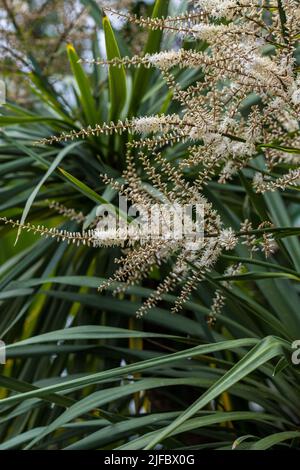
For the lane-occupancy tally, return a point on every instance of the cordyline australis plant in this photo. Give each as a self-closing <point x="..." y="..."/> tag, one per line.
<point x="249" y="50"/>
<point x="212" y="120"/>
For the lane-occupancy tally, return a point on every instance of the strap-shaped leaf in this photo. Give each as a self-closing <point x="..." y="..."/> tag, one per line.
<point x="143" y="75"/>
<point x="86" y="97"/>
<point x="117" y="75"/>
<point x="259" y="355"/>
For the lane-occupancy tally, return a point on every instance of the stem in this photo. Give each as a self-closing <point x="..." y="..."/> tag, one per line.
<point x="292" y="231"/>
<point x="283" y="20"/>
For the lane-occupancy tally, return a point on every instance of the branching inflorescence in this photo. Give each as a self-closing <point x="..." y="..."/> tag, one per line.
<point x="248" y="52"/>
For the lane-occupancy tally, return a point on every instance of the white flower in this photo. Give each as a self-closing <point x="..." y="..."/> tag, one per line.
<point x="228" y="122"/>
<point x="277" y="103"/>
<point x="206" y="32"/>
<point x="228" y="171"/>
<point x="234" y="269"/>
<point x="258" y="180"/>
<point x="259" y="66"/>
<point x="227" y="239"/>
<point x="212" y="137"/>
<point x="240" y="149"/>
<point x="146" y="125"/>
<point x="196" y="133"/>
<point x="165" y="59"/>
<point x="296" y="97"/>
<point x="216" y="8"/>
<point x="290" y="124"/>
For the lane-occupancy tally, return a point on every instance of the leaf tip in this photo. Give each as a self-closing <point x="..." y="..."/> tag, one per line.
<point x="70" y="48"/>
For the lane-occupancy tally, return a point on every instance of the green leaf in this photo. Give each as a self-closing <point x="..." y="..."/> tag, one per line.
<point x="123" y="371"/>
<point x="259" y="355"/>
<point x="274" y="439"/>
<point x="255" y="276"/>
<point x="143" y="75"/>
<point x="86" y="98"/>
<point x="86" y="332"/>
<point x="47" y="96"/>
<point x="83" y="188"/>
<point x="60" y="156"/>
<point x="91" y="194"/>
<point x="94" y="9"/>
<point x="103" y="397"/>
<point x="13" y="120"/>
<point x="120" y="430"/>
<point x="256" y="199"/>
<point x="22" y="438"/>
<point x="117" y="75"/>
<point x="197" y="423"/>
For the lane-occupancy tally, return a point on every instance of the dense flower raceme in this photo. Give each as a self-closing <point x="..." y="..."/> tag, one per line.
<point x="248" y="52"/>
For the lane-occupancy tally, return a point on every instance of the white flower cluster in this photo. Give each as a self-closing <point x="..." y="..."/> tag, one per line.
<point x="243" y="104"/>
<point x="216" y="8"/>
<point x="154" y="124"/>
<point x="171" y="224"/>
<point x="147" y="125"/>
<point x="207" y="32"/>
<point x="165" y="59"/>
<point x="292" y="178"/>
<point x="228" y="239"/>
<point x="225" y="146"/>
<point x="296" y="97"/>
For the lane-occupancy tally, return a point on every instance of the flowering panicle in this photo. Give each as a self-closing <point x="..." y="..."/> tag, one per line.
<point x="77" y="238"/>
<point x="248" y="238"/>
<point x="254" y="243"/>
<point x="292" y="178"/>
<point x="245" y="104"/>
<point x="220" y="297"/>
<point x="268" y="244"/>
<point x="70" y="213"/>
